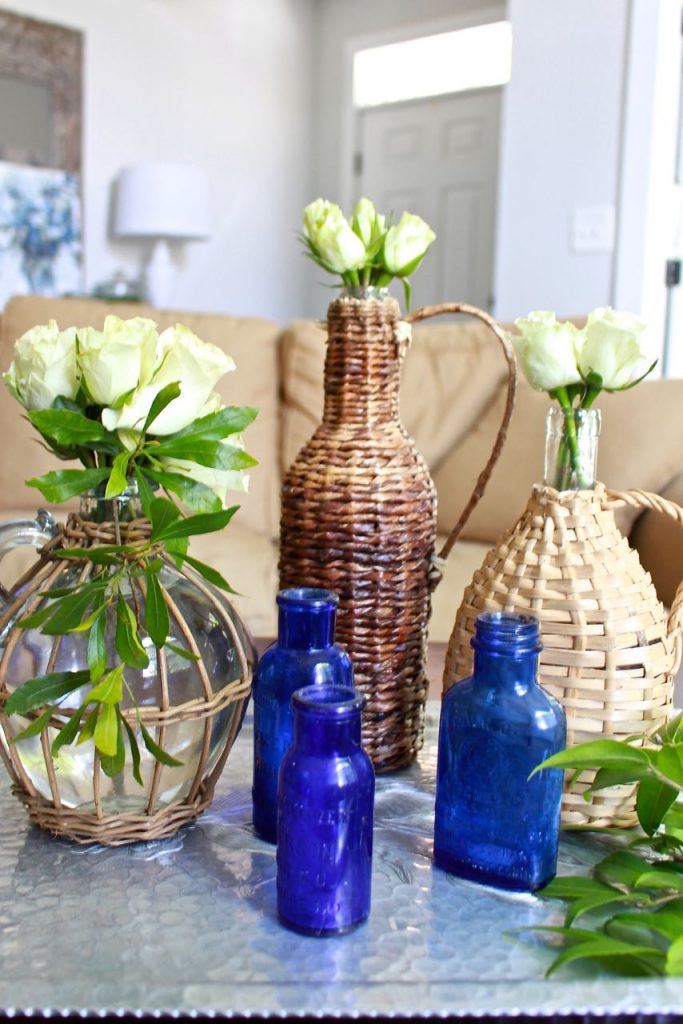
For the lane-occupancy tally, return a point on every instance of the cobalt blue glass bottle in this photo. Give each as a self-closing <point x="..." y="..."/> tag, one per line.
<point x="492" y="823"/>
<point x="304" y="653"/>
<point x="325" y="814"/>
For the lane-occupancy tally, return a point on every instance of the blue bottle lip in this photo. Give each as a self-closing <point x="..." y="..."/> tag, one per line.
<point x="328" y="701"/>
<point x="509" y="632"/>
<point x="307" y="597"/>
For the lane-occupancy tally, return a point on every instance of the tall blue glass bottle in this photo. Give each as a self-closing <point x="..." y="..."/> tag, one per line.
<point x="325" y="815"/>
<point x="304" y="654"/>
<point x="492" y="823"/>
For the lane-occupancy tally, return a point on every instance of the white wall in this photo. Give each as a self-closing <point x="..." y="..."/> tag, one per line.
<point x="560" y="148"/>
<point x="225" y="85"/>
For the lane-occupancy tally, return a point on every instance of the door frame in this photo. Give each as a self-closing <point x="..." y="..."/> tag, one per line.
<point x="484" y="15"/>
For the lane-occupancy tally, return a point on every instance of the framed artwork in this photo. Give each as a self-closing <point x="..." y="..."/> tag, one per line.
<point x="40" y="231"/>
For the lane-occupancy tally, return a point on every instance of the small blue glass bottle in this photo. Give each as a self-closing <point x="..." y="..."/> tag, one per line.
<point x="492" y="823"/>
<point x="304" y="654"/>
<point x="325" y="815"/>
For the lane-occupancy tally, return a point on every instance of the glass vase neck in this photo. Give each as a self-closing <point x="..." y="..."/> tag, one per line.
<point x="365" y="293"/>
<point x="327" y="719"/>
<point x="126" y="507"/>
<point x="306" y="618"/>
<point x="571" y="448"/>
<point x="506" y="648"/>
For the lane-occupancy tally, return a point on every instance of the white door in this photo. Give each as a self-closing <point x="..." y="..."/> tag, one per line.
<point x="438" y="158"/>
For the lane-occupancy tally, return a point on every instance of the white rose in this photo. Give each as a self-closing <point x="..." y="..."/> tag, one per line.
<point x="44" y="367"/>
<point x="406" y="243"/>
<point x="121" y="357"/>
<point x="218" y="480"/>
<point x="613" y="348"/>
<point x="367" y="223"/>
<point x="547" y="351"/>
<point x="332" y="237"/>
<point x="196" y="365"/>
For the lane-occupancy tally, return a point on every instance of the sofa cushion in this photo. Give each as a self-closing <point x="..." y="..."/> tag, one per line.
<point x="450" y="372"/>
<point x="637" y="448"/>
<point x="251" y="342"/>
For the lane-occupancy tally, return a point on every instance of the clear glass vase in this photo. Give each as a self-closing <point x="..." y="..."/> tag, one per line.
<point x="199" y="615"/>
<point x="571" y="448"/>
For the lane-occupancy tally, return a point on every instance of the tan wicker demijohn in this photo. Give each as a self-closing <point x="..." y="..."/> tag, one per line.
<point x="610" y="648"/>
<point x="359" y="518"/>
<point x="192" y="706"/>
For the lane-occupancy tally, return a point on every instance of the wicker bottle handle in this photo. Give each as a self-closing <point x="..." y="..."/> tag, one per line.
<point x="644" y="499"/>
<point x="460" y="307"/>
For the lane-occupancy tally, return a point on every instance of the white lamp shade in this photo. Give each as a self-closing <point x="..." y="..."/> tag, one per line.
<point x="162" y="200"/>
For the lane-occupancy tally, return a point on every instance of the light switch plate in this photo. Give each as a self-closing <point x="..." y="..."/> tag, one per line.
<point x="593" y="228"/>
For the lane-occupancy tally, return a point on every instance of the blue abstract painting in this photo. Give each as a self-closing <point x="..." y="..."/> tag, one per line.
<point x="40" y="232"/>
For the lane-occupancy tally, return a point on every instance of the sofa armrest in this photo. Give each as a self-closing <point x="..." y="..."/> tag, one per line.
<point x="659" y="542"/>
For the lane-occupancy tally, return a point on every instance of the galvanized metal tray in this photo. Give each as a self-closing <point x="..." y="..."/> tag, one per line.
<point x="188" y="926"/>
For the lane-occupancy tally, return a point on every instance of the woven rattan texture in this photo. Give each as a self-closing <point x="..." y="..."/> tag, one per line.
<point x="96" y="826"/>
<point x="358" y="517"/>
<point x="609" y="649"/>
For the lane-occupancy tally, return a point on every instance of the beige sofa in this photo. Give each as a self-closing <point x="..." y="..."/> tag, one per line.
<point x="451" y="402"/>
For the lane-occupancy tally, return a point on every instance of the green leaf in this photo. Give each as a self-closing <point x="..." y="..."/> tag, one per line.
<point x="68" y="613"/>
<point x="664" y="922"/>
<point x="653" y="800"/>
<point x="134" y="748"/>
<point x="111" y="766"/>
<point x="188" y="655"/>
<point x="67" y="427"/>
<point x="35" y="727"/>
<point x="606" y="777"/>
<point x="671" y="731"/>
<point x="596" y="754"/>
<point x="34" y="693"/>
<point x="674" y="958"/>
<point x="570" y="887"/>
<point x="60" y="485"/>
<point x="156" y="612"/>
<point x="669" y="761"/>
<point x="195" y="495"/>
<point x="205" y="522"/>
<point x="156" y="751"/>
<point x="144" y="490"/>
<point x="214" y="454"/>
<point x="210" y="574"/>
<point x="97" y="647"/>
<point x="589" y="903"/>
<point x="127" y="639"/>
<point x="622" y="867"/>
<point x="67" y="734"/>
<point x="217" y="425"/>
<point x="601" y="947"/>
<point x="118" y="480"/>
<point x="110" y="688"/>
<point x="88" y="728"/>
<point x="106" y="731"/>
<point x="177" y="549"/>
<point x="658" y="879"/>
<point x="36" y="619"/>
<point x="167" y="395"/>
<point x="102" y="554"/>
<point x="162" y="513"/>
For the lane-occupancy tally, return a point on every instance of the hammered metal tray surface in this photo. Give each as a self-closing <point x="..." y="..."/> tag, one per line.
<point x="188" y="926"/>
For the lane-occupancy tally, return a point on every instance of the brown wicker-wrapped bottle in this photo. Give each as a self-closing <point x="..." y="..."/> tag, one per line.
<point x="359" y="518"/>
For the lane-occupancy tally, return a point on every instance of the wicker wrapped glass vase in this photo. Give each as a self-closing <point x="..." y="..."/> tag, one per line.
<point x="192" y="705"/>
<point x="358" y="517"/>
<point x="610" y="648"/>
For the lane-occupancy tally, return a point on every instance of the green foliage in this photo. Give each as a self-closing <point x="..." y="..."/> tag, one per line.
<point x="125" y="580"/>
<point x="633" y="903"/>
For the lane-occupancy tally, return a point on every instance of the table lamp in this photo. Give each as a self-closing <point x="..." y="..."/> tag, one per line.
<point x="162" y="201"/>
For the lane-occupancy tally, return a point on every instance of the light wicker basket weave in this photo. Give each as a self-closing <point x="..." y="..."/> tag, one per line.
<point x="610" y="649"/>
<point x="147" y="817"/>
<point x="359" y="518"/>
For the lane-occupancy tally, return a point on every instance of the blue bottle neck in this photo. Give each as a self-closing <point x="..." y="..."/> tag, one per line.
<point x="505" y="669"/>
<point x="306" y="629"/>
<point x="320" y="734"/>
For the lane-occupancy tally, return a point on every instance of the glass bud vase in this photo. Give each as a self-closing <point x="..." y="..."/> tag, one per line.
<point x="571" y="448"/>
<point x="325" y="815"/>
<point x="492" y="823"/>
<point x="304" y="653"/>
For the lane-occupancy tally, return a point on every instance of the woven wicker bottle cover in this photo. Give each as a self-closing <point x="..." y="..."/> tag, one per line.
<point x="359" y="518"/>
<point x="610" y="649"/>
